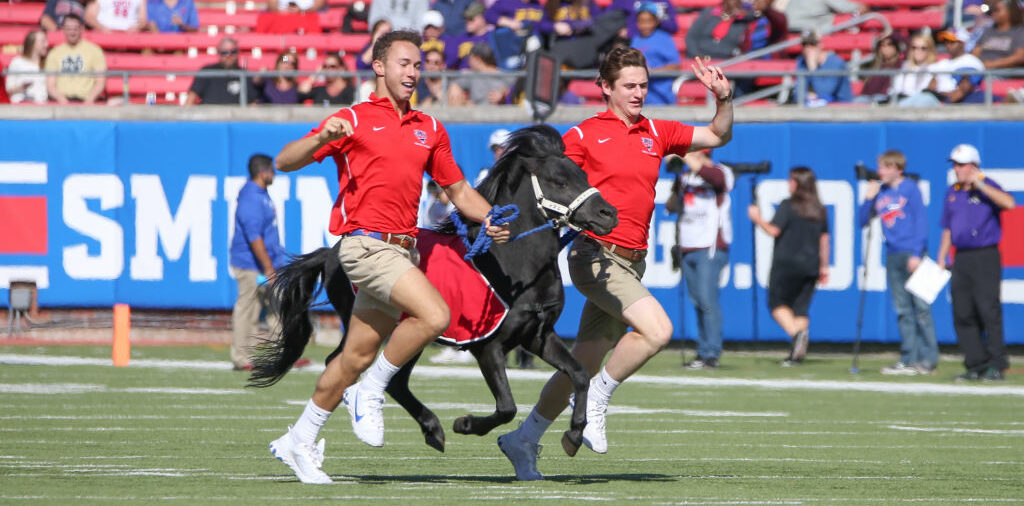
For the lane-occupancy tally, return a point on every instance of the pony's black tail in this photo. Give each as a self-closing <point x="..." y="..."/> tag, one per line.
<point x="295" y="287"/>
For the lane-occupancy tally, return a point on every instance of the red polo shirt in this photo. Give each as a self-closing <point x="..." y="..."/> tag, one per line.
<point x="381" y="165"/>
<point x="623" y="162"/>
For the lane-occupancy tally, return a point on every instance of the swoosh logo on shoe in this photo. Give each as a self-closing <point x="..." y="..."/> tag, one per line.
<point x="355" y="407"/>
<point x="378" y="129"/>
<point x="602" y="141"/>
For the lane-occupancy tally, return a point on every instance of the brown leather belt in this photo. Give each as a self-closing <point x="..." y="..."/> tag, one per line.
<point x="405" y="241"/>
<point x="633" y="255"/>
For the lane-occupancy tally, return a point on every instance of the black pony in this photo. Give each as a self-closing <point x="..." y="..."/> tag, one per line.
<point x="548" y="188"/>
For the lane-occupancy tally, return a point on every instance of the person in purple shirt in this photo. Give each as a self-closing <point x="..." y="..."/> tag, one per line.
<point x="255" y="253"/>
<point x="897" y="202"/>
<point x="456" y="49"/>
<point x="971" y="223"/>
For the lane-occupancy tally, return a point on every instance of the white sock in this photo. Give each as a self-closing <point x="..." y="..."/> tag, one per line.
<point x="378" y="376"/>
<point x="534" y="427"/>
<point x="602" y="387"/>
<point x="308" y="426"/>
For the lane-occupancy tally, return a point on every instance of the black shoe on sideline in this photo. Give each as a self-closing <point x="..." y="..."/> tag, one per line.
<point x="969" y="376"/>
<point x="993" y="374"/>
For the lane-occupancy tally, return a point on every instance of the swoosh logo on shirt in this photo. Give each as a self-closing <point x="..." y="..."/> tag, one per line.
<point x="377" y="129"/>
<point x="602" y="141"/>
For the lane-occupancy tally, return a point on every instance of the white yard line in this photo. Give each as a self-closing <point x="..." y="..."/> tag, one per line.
<point x="425" y="371"/>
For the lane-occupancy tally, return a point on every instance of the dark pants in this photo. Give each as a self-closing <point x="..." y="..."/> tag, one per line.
<point x="581" y="51"/>
<point x="977" y="310"/>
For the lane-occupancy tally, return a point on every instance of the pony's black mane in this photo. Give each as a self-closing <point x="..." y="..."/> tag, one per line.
<point x="537" y="141"/>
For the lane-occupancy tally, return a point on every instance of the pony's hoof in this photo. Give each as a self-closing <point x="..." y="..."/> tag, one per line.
<point x="435" y="441"/>
<point x="570" y="444"/>
<point x="464" y="425"/>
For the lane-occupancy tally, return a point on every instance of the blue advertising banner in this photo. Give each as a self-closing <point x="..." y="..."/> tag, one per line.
<point x="99" y="212"/>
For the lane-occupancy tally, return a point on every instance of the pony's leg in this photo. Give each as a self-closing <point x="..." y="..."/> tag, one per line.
<point x="398" y="389"/>
<point x="552" y="350"/>
<point x="491" y="359"/>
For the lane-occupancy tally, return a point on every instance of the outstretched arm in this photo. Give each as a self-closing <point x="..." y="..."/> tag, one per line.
<point x="719" y="131"/>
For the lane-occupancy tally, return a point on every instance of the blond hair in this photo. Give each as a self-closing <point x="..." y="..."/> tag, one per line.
<point x="894" y="157"/>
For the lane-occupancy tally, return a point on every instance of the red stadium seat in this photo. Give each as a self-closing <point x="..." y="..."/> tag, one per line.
<point x="685" y="20"/>
<point x="912" y="20"/>
<point x="903" y="4"/>
<point x="15" y="35"/>
<point x="695" y="4"/>
<point x="21" y="14"/>
<point x="220" y="18"/>
<point x="169" y="62"/>
<point x="763" y="66"/>
<point x="1001" y="87"/>
<point x="842" y="43"/>
<point x="586" y="89"/>
<point x="139" y="86"/>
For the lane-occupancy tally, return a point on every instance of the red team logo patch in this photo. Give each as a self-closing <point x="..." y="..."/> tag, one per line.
<point x="421" y="136"/>
<point x="648" y="143"/>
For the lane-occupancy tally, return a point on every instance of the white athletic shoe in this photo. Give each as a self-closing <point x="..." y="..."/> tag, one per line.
<point x="304" y="460"/>
<point x="900" y="369"/>
<point x="367" y="416"/>
<point x="594" y="432"/>
<point x="522" y="454"/>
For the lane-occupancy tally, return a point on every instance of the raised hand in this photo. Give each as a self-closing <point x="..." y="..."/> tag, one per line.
<point x="712" y="78"/>
<point x="335" y="128"/>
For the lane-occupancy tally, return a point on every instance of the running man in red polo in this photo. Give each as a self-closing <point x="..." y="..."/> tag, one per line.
<point x="621" y="152"/>
<point x="382" y="148"/>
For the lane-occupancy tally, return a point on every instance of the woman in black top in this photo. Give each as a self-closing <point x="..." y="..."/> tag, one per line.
<point x="800" y="257"/>
<point x="335" y="90"/>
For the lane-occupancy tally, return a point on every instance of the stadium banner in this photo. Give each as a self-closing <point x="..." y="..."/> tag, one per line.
<point x="100" y="212"/>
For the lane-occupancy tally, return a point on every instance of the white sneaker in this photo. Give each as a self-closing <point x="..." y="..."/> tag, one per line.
<point x="522" y="454"/>
<point x="594" y="432"/>
<point x="900" y="369"/>
<point x="367" y="416"/>
<point x="304" y="460"/>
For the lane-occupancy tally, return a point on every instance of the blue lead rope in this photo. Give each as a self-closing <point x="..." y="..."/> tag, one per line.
<point x="498" y="216"/>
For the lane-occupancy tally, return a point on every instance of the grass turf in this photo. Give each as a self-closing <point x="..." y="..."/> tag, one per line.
<point x="813" y="434"/>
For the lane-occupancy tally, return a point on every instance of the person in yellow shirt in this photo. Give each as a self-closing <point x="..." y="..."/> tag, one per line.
<point x="75" y="56"/>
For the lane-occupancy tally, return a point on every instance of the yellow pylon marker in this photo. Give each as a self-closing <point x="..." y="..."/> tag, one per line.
<point x="121" y="352"/>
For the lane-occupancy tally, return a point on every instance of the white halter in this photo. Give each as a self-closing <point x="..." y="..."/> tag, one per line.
<point x="562" y="213"/>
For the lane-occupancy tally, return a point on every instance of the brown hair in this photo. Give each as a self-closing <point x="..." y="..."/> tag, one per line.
<point x="894" y="157"/>
<point x="805" y="200"/>
<point x="30" y="42"/>
<point x="383" y="44"/>
<point x="618" y="59"/>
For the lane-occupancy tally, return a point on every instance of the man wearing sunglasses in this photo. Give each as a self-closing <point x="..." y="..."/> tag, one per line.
<point x="221" y="89"/>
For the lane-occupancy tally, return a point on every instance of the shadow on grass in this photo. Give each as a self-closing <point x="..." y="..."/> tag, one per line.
<point x="558" y="478"/>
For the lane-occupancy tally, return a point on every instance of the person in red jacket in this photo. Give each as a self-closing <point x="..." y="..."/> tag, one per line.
<point x="621" y="152"/>
<point x="382" y="147"/>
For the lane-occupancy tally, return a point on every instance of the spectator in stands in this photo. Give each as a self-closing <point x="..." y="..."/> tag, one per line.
<point x="117" y="15"/>
<point x="223" y="89"/>
<point x="172" y="16"/>
<point x="818" y="15"/>
<point x="582" y="49"/>
<point x="666" y="16"/>
<point x="718" y="31"/>
<point x="565" y="20"/>
<point x="888" y="55"/>
<point x="514" y="22"/>
<point x="365" y="59"/>
<point x="484" y="83"/>
<point x="457" y="49"/>
<point x="55" y="10"/>
<point x="356" y="16"/>
<point x="915" y="76"/>
<point x="280" y="89"/>
<point x="29" y="88"/>
<point x="74" y="56"/>
<point x="402" y="14"/>
<point x="950" y="86"/>
<point x="822" y="90"/>
<point x="452" y="10"/>
<point x="660" y="51"/>
<point x="430" y="90"/>
<point x="767" y="26"/>
<point x="433" y="32"/>
<point x="976" y="16"/>
<point x="336" y="90"/>
<point x="295" y="6"/>
<point x="1002" y="44"/>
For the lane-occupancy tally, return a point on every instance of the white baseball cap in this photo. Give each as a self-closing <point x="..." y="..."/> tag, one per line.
<point x="433" y="18"/>
<point x="965" y="153"/>
<point x="498" y="138"/>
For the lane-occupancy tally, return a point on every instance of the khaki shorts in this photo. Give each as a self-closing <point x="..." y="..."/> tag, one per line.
<point x="610" y="283"/>
<point x="374" y="266"/>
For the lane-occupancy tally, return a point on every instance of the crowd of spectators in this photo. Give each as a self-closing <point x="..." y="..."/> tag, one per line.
<point x="480" y="38"/>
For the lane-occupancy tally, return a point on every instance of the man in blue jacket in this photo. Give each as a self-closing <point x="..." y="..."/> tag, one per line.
<point x="256" y="252"/>
<point x="897" y="201"/>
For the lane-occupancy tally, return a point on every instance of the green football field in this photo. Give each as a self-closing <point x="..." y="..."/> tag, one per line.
<point x="178" y="425"/>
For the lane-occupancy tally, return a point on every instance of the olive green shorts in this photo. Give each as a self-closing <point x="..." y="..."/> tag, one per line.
<point x="374" y="266"/>
<point x="610" y="283"/>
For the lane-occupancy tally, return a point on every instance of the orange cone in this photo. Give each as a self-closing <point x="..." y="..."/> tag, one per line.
<point x="122" y="330"/>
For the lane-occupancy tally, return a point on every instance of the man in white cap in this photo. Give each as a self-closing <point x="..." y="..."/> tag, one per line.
<point x="433" y="29"/>
<point x="971" y="223"/>
<point x="497" y="146"/>
<point x="950" y="85"/>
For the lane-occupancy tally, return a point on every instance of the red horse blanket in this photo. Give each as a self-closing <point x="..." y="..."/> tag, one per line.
<point x="476" y="309"/>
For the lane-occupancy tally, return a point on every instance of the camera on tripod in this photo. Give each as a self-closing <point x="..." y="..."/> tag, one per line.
<point x="866" y="173"/>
